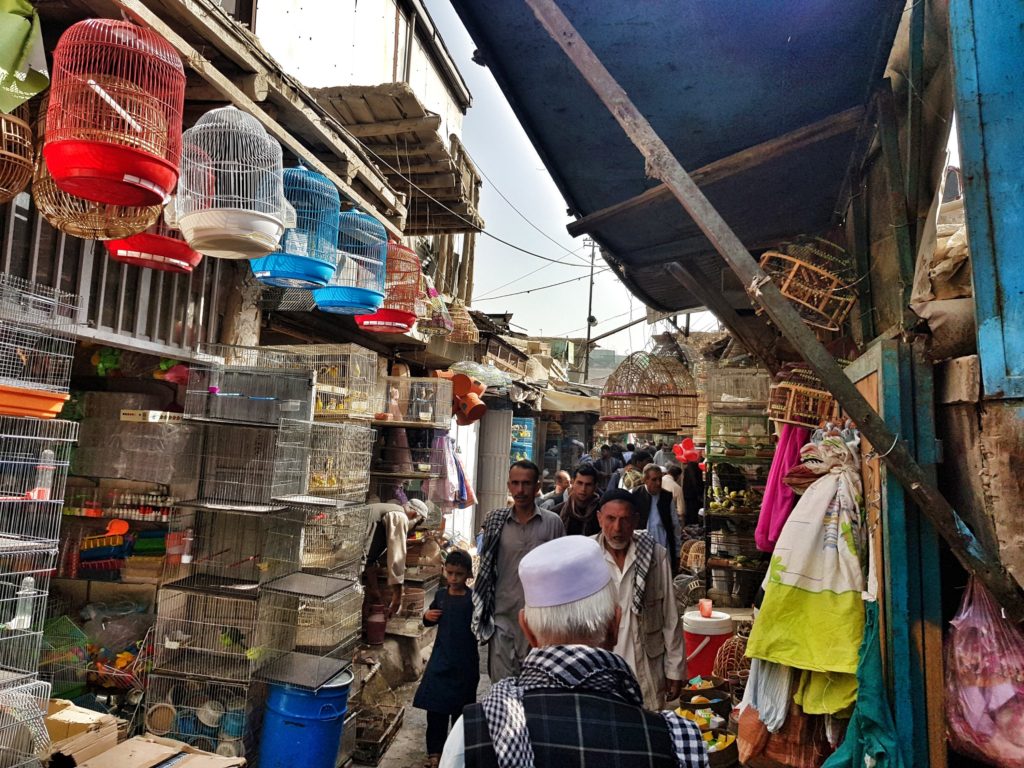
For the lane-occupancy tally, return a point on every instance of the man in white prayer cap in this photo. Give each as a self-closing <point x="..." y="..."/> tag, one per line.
<point x="575" y="703"/>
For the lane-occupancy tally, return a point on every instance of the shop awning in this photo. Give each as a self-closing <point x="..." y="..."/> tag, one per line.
<point x="568" y="402"/>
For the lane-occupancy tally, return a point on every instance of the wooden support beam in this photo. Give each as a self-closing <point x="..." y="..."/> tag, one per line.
<point x="254" y="85"/>
<point x="425" y="182"/>
<point x="662" y="164"/>
<point x="443" y="166"/>
<point x="888" y="134"/>
<point x="390" y="152"/>
<point x="751" y="157"/>
<point x="428" y="123"/>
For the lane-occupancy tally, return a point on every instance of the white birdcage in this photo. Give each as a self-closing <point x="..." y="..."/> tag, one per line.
<point x="339" y="459"/>
<point x="358" y="284"/>
<point x="334" y="535"/>
<point x="346" y="376"/>
<point x="230" y="202"/>
<point x="23" y="735"/>
<point x="24" y="585"/>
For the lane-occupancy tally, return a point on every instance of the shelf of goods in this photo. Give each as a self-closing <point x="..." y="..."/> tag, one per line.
<point x="415" y="402"/>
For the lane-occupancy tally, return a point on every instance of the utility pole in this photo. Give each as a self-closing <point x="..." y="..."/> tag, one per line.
<point x="590" y="309"/>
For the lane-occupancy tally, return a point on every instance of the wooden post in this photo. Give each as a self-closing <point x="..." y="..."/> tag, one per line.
<point x="888" y="133"/>
<point x="469" y="256"/>
<point x="662" y="164"/>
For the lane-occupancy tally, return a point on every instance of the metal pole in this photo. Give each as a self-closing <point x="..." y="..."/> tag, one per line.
<point x="662" y="164"/>
<point x="590" y="311"/>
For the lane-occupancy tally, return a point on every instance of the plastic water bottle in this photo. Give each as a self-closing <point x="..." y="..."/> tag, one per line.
<point x="45" y="470"/>
<point x="186" y="546"/>
<point x="23" y="608"/>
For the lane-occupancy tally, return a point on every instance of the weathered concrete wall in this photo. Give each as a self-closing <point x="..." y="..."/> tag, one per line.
<point x="242" y="314"/>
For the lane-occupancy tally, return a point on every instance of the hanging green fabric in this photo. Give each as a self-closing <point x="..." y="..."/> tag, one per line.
<point x="23" y="70"/>
<point x="871" y="735"/>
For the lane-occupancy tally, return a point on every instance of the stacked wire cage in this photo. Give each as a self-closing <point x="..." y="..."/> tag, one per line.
<point x="409" y="452"/>
<point x="417" y="402"/>
<point x="333" y="535"/>
<point x="346" y="378"/>
<point x="339" y="459"/>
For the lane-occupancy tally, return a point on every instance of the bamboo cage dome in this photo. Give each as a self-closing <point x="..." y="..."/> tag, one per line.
<point x="15" y="152"/>
<point x="436" y="320"/>
<point x="159" y="247"/>
<point x="397" y="313"/>
<point x="817" y="276"/>
<point x="357" y="286"/>
<point x="116" y="99"/>
<point x="76" y="216"/>
<point x="464" y="330"/>
<point x="631" y="391"/>
<point x="798" y="397"/>
<point x="677" y="402"/>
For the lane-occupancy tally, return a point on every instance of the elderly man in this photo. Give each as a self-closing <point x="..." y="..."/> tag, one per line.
<point x="579" y="511"/>
<point x="553" y="498"/>
<point x="509" y="534"/>
<point x="649" y="636"/>
<point x="575" y="703"/>
<point x="657" y="513"/>
<point x="385" y="547"/>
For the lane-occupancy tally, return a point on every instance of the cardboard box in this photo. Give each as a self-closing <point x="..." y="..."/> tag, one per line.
<point x="150" y="417"/>
<point x="79" y="733"/>
<point x="150" y="751"/>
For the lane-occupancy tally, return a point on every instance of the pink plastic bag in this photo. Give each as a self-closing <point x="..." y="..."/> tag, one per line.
<point x="985" y="682"/>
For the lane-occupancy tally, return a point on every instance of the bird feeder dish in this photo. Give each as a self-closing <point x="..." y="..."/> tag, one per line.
<point x="159" y="247"/>
<point x="357" y="287"/>
<point x="817" y="278"/>
<point x="631" y="391"/>
<point x="116" y="98"/>
<point x="307" y="257"/>
<point x="230" y="202"/>
<point x="798" y="397"/>
<point x="401" y="292"/>
<point x="15" y="153"/>
<point x="464" y="330"/>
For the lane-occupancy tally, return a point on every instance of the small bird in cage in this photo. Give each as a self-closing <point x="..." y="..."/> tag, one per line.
<point x="231" y="636"/>
<point x="177" y="639"/>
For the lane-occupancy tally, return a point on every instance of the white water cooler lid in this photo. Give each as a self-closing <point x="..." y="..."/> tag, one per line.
<point x="718" y="623"/>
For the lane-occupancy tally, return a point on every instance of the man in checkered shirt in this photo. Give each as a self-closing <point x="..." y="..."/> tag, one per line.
<point x="575" y="703"/>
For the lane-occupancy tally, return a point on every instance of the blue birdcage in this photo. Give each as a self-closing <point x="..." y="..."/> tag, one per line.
<point x="357" y="287"/>
<point x="307" y="256"/>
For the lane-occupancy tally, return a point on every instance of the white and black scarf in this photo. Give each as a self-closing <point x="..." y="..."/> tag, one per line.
<point x="486" y="577"/>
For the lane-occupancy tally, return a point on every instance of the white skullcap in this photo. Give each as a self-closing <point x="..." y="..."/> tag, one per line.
<point x="563" y="571"/>
<point x="421" y="509"/>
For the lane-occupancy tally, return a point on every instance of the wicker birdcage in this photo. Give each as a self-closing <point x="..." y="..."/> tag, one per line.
<point x="817" y="277"/>
<point x="436" y="320"/>
<point x="731" y="658"/>
<point x="397" y="313"/>
<point x="15" y="152"/>
<point x="464" y="330"/>
<point x="695" y="557"/>
<point x="357" y="286"/>
<point x="230" y="202"/>
<point x="798" y="397"/>
<point x="76" y="216"/>
<point x="308" y="254"/>
<point x="116" y="98"/>
<point x="732" y="388"/>
<point x="159" y="247"/>
<point x="677" y="401"/>
<point x="631" y="391"/>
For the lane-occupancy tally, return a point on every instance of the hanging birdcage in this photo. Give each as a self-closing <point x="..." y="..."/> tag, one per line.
<point x="464" y="330"/>
<point x="436" y="321"/>
<point x="817" y="277"/>
<point x="15" y="152"/>
<point x="631" y="391"/>
<point x="397" y="314"/>
<point x="308" y="254"/>
<point x="159" y="247"/>
<point x="677" y="403"/>
<point x="116" y="98"/>
<point x="358" y="284"/>
<point x="230" y="202"/>
<point x="798" y="397"/>
<point x="75" y="216"/>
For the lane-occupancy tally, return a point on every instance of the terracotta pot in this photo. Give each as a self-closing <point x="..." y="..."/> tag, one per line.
<point x="463" y="385"/>
<point x="471" y="406"/>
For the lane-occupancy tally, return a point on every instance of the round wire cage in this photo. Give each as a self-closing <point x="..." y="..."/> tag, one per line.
<point x="308" y="254"/>
<point x="357" y="286"/>
<point x="230" y="202"/>
<point x="798" y="397"/>
<point x="81" y="218"/>
<point x="816" y="275"/>
<point x="116" y="98"/>
<point x="464" y="330"/>
<point x="677" y="403"/>
<point x="436" y="320"/>
<point x="159" y="247"/>
<point x="397" y="313"/>
<point x="15" y="152"/>
<point x="631" y="391"/>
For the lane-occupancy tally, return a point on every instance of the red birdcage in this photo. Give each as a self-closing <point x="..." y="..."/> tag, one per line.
<point x="159" y="247"/>
<point x="401" y="292"/>
<point x="114" y="120"/>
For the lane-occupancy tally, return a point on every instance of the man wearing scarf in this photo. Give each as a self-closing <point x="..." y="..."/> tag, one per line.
<point x="575" y="703"/>
<point x="579" y="511"/>
<point x="649" y="637"/>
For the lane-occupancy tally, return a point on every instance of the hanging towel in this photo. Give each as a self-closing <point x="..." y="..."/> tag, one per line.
<point x="778" y="497"/>
<point x="23" y="70"/>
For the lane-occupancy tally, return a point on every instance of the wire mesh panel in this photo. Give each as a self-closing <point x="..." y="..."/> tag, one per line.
<point x="334" y="535"/>
<point x="64" y="661"/>
<point x="307" y="256"/>
<point x="397" y="314"/>
<point x="23" y="735"/>
<point x="358" y="284"/>
<point x="230" y="202"/>
<point x="339" y="462"/>
<point x="239" y="465"/>
<point x="159" y="247"/>
<point x="15" y="152"/>
<point x="116" y="98"/>
<point x="24" y="584"/>
<point x="210" y="715"/>
<point x="346" y="376"/>
<point x="409" y="452"/>
<point x="420" y="401"/>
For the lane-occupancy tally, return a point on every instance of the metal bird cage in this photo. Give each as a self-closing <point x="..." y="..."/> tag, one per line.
<point x="358" y="284"/>
<point x="24" y="585"/>
<point x="116" y="98"/>
<point x="15" y="152"/>
<point x="409" y="452"/>
<point x="308" y="255"/>
<point x="798" y="397"/>
<point x="346" y="377"/>
<point x="737" y="389"/>
<point x="334" y="535"/>
<point x="817" y="276"/>
<point x="397" y="313"/>
<point x="464" y="330"/>
<point x="64" y="661"/>
<point x="211" y="715"/>
<point x="631" y="391"/>
<point x="23" y="734"/>
<point x="339" y="460"/>
<point x="436" y="321"/>
<point x="159" y="247"/>
<point x="677" y="402"/>
<point x="230" y="202"/>
<point x="417" y="402"/>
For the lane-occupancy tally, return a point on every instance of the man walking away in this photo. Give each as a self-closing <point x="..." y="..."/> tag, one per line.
<point x="649" y="636"/>
<point x="575" y="703"/>
<point x="670" y="482"/>
<point x="657" y="514"/>
<point x="579" y="511"/>
<point x="607" y="465"/>
<point x="509" y="534"/>
<point x="554" y="497"/>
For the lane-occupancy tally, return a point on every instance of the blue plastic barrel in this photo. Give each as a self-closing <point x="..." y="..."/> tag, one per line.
<point x="304" y="723"/>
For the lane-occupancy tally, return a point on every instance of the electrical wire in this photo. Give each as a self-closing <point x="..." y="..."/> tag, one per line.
<point x="541" y="288"/>
<point x="517" y="279"/>
<point x="607" y="319"/>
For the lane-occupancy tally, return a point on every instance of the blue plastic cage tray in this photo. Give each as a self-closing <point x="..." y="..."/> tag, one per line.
<point x="286" y="270"/>
<point x="347" y="300"/>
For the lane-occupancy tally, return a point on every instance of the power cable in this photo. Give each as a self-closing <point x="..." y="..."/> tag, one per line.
<point x="540" y="288"/>
<point x="607" y="319"/>
<point x="517" y="279"/>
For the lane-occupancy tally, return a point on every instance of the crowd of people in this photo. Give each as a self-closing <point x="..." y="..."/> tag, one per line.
<point x="573" y="599"/>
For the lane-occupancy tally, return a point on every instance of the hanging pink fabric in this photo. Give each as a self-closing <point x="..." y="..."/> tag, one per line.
<point x="779" y="498"/>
